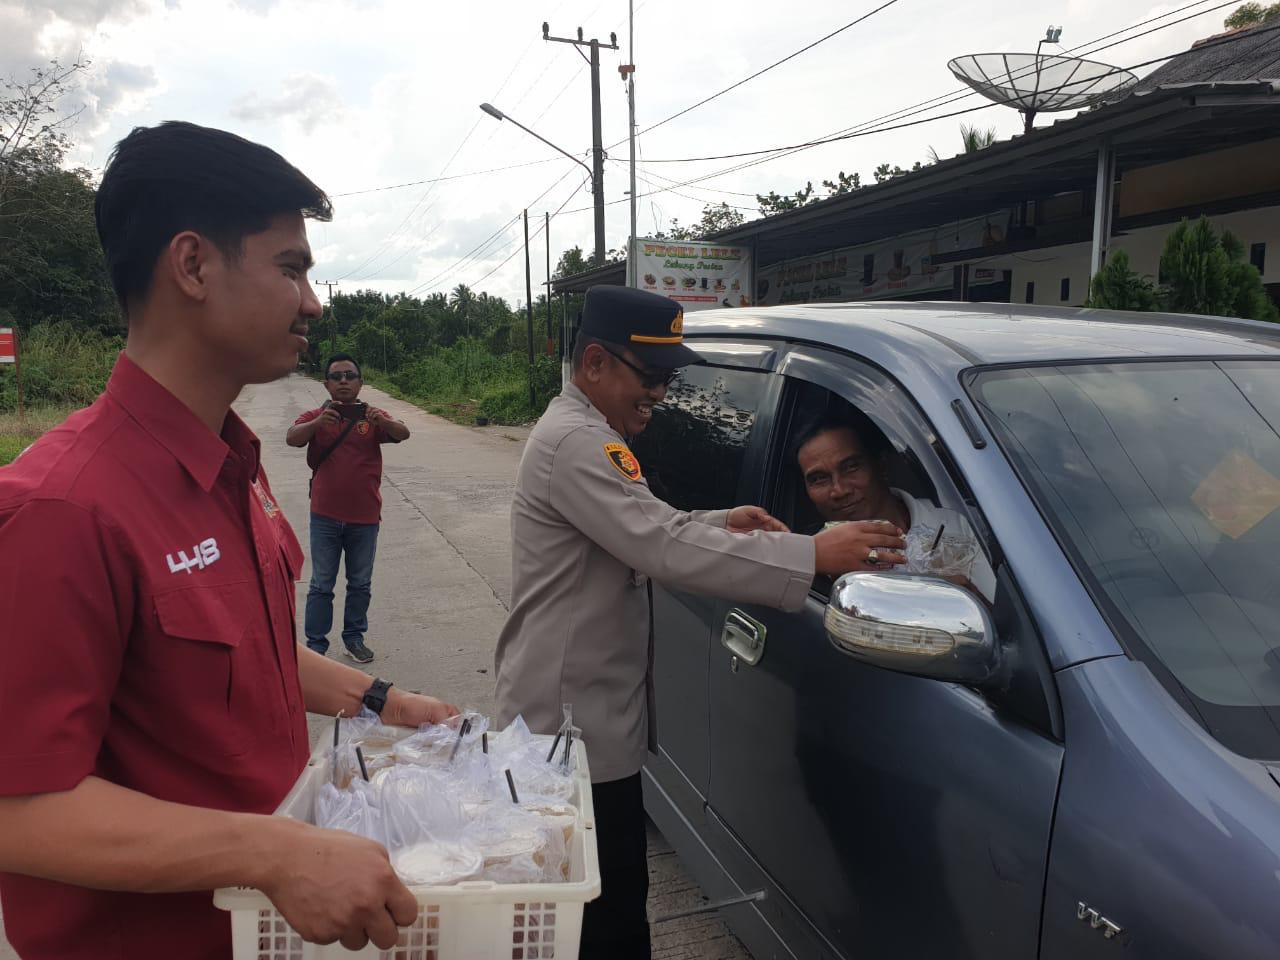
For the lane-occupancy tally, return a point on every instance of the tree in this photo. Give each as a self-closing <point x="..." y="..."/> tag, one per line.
<point x="972" y="138"/>
<point x="1251" y="15"/>
<point x="571" y="263"/>
<point x="716" y="217"/>
<point x="773" y="202"/>
<point x="1117" y="287"/>
<point x="51" y="265"/>
<point x="1205" y="272"/>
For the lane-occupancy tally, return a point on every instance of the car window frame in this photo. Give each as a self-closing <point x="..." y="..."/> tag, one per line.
<point x="857" y="380"/>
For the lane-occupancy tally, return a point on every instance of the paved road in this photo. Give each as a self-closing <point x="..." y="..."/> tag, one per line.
<point x="442" y="582"/>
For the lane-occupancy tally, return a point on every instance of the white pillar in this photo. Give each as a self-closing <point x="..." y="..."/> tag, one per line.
<point x="1103" y="203"/>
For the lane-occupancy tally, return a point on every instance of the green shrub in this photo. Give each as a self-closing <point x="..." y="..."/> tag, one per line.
<point x="1117" y="287"/>
<point x="61" y="365"/>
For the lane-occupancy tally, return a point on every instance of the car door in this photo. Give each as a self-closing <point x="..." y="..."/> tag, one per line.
<point x="904" y="817"/>
<point x="694" y="454"/>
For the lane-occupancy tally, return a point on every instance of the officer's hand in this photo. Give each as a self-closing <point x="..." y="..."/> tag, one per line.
<point x="849" y="546"/>
<point x="332" y="885"/>
<point x="378" y="417"/>
<point x="406" y="709"/>
<point x="747" y="519"/>
<point x="329" y="417"/>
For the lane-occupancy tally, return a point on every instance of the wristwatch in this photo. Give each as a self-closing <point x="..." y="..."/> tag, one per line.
<point x="375" y="698"/>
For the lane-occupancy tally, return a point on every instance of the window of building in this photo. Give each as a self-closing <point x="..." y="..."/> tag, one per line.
<point x="1258" y="256"/>
<point x="1064" y="294"/>
<point x="868" y="269"/>
<point x="1031" y="292"/>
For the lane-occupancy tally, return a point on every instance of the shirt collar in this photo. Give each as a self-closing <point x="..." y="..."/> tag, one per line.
<point x="574" y="393"/>
<point x="176" y="428"/>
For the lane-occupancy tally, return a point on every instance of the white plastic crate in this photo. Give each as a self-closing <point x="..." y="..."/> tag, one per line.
<point x="473" y="920"/>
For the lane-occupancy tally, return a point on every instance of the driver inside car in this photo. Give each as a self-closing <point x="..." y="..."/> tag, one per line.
<point x="844" y="466"/>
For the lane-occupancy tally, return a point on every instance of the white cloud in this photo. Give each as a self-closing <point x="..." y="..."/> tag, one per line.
<point x="304" y="98"/>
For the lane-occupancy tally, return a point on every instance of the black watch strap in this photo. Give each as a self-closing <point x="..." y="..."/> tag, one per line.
<point x="375" y="698"/>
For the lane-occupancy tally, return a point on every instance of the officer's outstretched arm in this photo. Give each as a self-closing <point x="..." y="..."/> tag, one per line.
<point x="601" y="492"/>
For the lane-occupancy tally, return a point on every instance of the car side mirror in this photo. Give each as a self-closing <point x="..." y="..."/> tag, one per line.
<point x="924" y="626"/>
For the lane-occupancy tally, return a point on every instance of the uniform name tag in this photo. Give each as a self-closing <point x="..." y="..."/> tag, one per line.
<point x="623" y="460"/>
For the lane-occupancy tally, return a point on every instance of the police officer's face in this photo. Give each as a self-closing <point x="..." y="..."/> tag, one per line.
<point x="843" y="482"/>
<point x="619" y="391"/>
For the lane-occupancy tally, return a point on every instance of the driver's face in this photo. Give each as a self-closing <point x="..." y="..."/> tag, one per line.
<point x="843" y="482"/>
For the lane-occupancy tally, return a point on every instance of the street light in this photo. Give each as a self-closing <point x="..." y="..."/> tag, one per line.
<point x="497" y="114"/>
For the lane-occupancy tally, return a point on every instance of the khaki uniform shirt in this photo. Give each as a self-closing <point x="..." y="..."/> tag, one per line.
<point x="586" y="533"/>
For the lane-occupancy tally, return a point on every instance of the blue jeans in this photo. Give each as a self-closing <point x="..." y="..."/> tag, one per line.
<point x="330" y="539"/>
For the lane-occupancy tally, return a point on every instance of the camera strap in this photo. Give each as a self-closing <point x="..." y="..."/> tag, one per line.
<point x="324" y="454"/>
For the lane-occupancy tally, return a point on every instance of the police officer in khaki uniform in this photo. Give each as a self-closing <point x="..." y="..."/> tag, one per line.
<point x="586" y="534"/>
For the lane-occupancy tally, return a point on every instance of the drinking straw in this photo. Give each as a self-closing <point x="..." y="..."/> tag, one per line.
<point x="568" y="745"/>
<point x="938" y="539"/>
<point x="337" y="726"/>
<point x="554" y="744"/>
<point x="511" y="785"/>
<point x="484" y="742"/>
<point x="462" y="732"/>
<point x="364" y="771"/>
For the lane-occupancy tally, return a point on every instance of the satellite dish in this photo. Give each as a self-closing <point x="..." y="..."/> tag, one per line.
<point x="1041" y="83"/>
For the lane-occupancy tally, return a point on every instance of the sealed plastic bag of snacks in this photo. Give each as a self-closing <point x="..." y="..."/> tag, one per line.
<point x="950" y="555"/>
<point x="425" y="829"/>
<point x="354" y="809"/>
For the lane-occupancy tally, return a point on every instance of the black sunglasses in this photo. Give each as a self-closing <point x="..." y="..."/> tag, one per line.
<point x="339" y="375"/>
<point x="648" y="378"/>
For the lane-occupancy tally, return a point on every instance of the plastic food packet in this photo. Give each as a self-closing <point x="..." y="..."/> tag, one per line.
<point x="951" y="555"/>
<point x="443" y="743"/>
<point x="354" y="810"/>
<point x="517" y="846"/>
<point x="424" y="828"/>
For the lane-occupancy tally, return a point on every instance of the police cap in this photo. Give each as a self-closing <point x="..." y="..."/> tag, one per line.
<point x="650" y="325"/>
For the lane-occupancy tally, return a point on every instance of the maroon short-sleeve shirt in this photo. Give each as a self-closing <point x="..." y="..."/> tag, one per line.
<point x="347" y="486"/>
<point x="147" y="636"/>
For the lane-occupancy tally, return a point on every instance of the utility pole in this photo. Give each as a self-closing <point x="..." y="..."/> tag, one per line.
<point x="551" y="343"/>
<point x="628" y="72"/>
<point x="597" y="138"/>
<point x="528" y="296"/>
<point x="333" y="320"/>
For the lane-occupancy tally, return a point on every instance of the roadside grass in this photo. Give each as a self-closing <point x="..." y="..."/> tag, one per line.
<point x="17" y="433"/>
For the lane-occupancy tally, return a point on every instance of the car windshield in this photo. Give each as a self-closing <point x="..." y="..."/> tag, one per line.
<point x="1162" y="480"/>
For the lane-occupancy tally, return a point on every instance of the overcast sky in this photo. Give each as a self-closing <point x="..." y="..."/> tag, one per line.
<point x="363" y="94"/>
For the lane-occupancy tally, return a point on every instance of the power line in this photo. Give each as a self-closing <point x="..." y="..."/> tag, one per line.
<point x="456" y="176"/>
<point x="475" y="252"/>
<point x="772" y="155"/>
<point x="764" y="70"/>
<point x="861" y="130"/>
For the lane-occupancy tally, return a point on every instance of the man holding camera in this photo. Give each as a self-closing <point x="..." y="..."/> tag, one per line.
<point x="344" y="440"/>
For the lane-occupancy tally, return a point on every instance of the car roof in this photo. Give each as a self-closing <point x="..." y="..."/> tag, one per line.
<point x="956" y="336"/>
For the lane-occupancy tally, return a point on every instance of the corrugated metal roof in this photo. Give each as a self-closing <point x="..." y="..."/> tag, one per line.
<point x="1252" y="54"/>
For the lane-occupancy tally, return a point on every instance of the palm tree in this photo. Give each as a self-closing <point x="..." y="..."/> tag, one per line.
<point x="974" y="140"/>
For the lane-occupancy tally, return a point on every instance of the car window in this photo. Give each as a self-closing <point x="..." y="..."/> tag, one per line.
<point x="693" y="451"/>
<point x="1162" y="479"/>
<point x="887" y="478"/>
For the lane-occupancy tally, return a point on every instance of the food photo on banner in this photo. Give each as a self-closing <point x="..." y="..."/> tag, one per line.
<point x="698" y="276"/>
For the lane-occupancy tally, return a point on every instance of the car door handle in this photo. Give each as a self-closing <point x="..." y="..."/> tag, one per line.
<point x="743" y="636"/>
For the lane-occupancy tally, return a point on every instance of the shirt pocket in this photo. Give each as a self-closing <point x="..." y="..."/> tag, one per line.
<point x="207" y="668"/>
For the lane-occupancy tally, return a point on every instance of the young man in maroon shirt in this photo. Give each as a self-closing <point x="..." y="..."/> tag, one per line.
<point x="153" y="697"/>
<point x="344" y="450"/>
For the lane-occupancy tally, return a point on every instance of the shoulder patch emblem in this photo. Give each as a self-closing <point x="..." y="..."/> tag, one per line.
<point x="623" y="460"/>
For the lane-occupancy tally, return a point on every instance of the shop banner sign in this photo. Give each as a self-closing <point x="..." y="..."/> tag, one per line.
<point x="890" y="268"/>
<point x="8" y="346"/>
<point x="699" y="276"/>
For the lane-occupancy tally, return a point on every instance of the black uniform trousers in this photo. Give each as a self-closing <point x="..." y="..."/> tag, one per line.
<point x="616" y="925"/>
